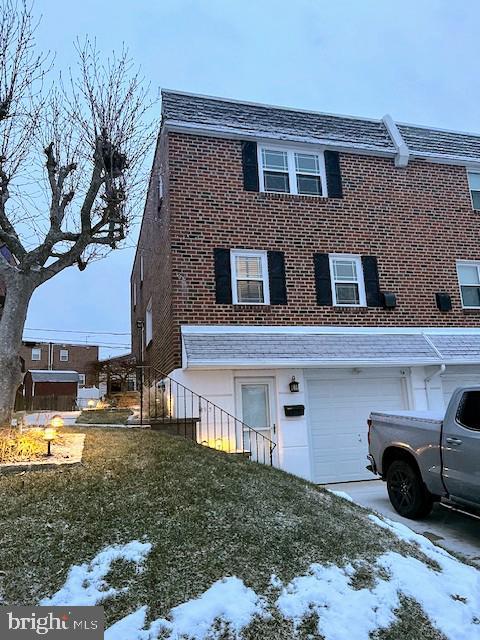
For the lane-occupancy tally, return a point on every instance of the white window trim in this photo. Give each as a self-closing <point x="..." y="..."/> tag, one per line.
<point x="62" y="351"/>
<point x="82" y="379"/>
<point x="361" y="281"/>
<point x="148" y="323"/>
<point x="141" y="268"/>
<point x="292" y="174"/>
<point x="134" y="294"/>
<point x="469" y="173"/>
<point x="234" y="253"/>
<point x="39" y="351"/>
<point x="467" y="263"/>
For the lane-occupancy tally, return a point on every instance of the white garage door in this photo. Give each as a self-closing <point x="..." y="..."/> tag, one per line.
<point x="458" y="377"/>
<point x="339" y="403"/>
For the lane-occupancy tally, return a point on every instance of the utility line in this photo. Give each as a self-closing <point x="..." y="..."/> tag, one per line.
<point x="85" y="333"/>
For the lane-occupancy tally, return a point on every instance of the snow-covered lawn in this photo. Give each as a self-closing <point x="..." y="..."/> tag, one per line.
<point x="448" y="592"/>
<point x="177" y="541"/>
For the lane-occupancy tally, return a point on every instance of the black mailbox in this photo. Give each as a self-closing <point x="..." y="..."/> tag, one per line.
<point x="294" y="410"/>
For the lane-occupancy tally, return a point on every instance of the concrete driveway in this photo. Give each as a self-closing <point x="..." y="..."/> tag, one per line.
<point x="451" y="530"/>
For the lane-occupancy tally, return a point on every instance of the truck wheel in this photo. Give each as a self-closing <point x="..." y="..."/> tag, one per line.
<point x="407" y="493"/>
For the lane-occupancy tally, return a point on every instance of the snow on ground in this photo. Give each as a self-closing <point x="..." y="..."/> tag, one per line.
<point x="449" y="596"/>
<point x="227" y="599"/>
<point x="341" y="494"/>
<point x="85" y="584"/>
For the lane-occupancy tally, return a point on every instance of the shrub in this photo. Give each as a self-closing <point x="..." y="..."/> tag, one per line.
<point x="20" y="447"/>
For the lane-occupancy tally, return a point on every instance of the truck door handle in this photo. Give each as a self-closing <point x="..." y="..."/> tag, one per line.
<point x="455" y="441"/>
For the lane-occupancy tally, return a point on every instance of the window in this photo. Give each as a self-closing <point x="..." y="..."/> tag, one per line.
<point x="134" y="294"/>
<point x="81" y="379"/>
<point x="63" y="355"/>
<point x="148" y="323"/>
<point x="468" y="414"/>
<point x="474" y="182"/>
<point x="250" y="277"/>
<point x="346" y="275"/>
<point x="141" y="268"/>
<point x="36" y="354"/>
<point x="469" y="281"/>
<point x="292" y="171"/>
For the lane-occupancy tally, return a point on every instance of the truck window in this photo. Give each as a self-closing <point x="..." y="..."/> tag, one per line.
<point x="468" y="414"/>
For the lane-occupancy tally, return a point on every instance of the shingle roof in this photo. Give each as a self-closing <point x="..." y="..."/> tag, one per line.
<point x="283" y="349"/>
<point x="285" y="123"/>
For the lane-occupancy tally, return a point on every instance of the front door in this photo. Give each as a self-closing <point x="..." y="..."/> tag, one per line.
<point x="254" y="397"/>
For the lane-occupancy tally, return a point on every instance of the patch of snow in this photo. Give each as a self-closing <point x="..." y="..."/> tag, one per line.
<point x="341" y="494"/>
<point x="228" y="600"/>
<point x="85" y="584"/>
<point x="275" y="582"/>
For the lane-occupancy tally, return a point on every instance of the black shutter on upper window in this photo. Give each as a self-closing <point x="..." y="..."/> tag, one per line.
<point x="372" y="285"/>
<point x="223" y="276"/>
<point x="276" y="277"/>
<point x="334" y="176"/>
<point x="250" y="166"/>
<point x="323" y="282"/>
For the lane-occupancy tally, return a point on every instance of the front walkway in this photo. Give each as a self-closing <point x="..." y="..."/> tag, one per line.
<point x="454" y="531"/>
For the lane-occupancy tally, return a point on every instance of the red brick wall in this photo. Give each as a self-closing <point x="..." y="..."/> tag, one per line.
<point x="81" y="359"/>
<point x="417" y="220"/>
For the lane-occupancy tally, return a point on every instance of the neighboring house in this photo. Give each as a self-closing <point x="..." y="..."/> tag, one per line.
<point x="339" y="251"/>
<point x="53" y="390"/>
<point x="118" y="374"/>
<point x="63" y="357"/>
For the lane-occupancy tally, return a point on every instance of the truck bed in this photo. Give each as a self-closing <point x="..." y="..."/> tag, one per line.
<point x="408" y="418"/>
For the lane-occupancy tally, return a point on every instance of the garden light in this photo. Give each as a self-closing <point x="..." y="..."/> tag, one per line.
<point x="56" y="422"/>
<point x="49" y="435"/>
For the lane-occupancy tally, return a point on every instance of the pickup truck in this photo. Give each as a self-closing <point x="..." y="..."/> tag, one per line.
<point x="426" y="457"/>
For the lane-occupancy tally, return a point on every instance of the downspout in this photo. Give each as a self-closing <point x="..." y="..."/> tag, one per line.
<point x="428" y="379"/>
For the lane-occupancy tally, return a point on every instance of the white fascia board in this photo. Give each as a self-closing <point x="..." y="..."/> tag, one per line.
<point x="326" y="330"/>
<point x="309" y="364"/>
<point x="217" y="131"/>
<point x="403" y="152"/>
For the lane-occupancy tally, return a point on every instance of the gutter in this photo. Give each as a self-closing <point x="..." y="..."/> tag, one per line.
<point x="403" y="152"/>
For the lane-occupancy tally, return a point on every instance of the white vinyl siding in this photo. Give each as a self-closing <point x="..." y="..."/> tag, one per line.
<point x="348" y="288"/>
<point x="249" y="277"/>
<point x="294" y="171"/>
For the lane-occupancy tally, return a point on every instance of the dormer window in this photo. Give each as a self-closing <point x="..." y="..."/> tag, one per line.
<point x="292" y="171"/>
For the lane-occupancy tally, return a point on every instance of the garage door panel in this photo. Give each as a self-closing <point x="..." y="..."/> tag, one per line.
<point x="338" y="411"/>
<point x="459" y="377"/>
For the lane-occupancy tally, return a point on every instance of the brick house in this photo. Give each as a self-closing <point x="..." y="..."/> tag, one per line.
<point x="336" y="252"/>
<point x="81" y="358"/>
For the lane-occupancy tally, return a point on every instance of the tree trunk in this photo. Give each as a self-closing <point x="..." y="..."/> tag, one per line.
<point x="12" y="321"/>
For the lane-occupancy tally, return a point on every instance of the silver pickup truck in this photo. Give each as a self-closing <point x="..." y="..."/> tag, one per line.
<point x="426" y="457"/>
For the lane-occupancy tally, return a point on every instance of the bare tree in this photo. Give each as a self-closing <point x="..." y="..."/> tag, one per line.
<point x="117" y="371"/>
<point x="71" y="169"/>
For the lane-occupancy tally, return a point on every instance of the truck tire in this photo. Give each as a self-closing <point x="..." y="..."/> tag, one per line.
<point x="408" y="495"/>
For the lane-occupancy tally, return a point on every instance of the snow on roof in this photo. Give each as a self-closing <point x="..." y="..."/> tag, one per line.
<point x="45" y="375"/>
<point x="251" y="119"/>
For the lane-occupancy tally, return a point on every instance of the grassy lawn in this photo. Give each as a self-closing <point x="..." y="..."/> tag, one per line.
<point x="207" y="515"/>
<point x="104" y="416"/>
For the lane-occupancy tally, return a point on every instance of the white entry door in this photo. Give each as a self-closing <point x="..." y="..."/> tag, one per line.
<point x="339" y="403"/>
<point x="255" y="408"/>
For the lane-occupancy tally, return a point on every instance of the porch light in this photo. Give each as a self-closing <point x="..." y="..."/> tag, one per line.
<point x="294" y="387"/>
<point x="49" y="435"/>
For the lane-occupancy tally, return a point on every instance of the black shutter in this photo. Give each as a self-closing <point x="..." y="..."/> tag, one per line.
<point x="223" y="277"/>
<point x="250" y="166"/>
<point x="334" y="176"/>
<point x="370" y="277"/>
<point x="276" y="277"/>
<point x="323" y="282"/>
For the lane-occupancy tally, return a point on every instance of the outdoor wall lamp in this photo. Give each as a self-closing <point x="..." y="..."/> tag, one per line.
<point x="294" y="386"/>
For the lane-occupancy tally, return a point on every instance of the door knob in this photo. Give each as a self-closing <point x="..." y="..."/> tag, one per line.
<point x="455" y="441"/>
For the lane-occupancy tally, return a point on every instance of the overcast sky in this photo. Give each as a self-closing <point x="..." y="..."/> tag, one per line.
<point x="414" y="59"/>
